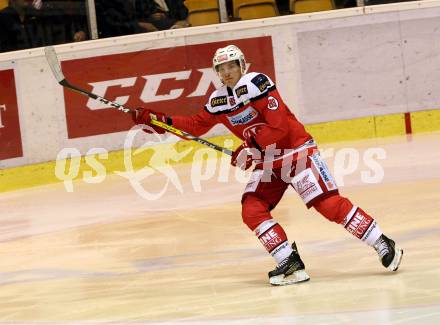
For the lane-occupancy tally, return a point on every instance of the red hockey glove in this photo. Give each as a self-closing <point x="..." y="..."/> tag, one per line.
<point x="145" y="116"/>
<point x="245" y="154"/>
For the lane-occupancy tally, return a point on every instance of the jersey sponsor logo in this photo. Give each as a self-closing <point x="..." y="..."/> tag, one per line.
<point x="232" y="101"/>
<point x="251" y="131"/>
<point x="324" y="172"/>
<point x="261" y="82"/>
<point x="369" y="231"/>
<point x="219" y="101"/>
<point x="10" y="135"/>
<point x="272" y="103"/>
<point x="270" y="240"/>
<point x="279" y="248"/>
<point x="359" y="224"/>
<point x="306" y="185"/>
<point x="243" y="117"/>
<point x="242" y="90"/>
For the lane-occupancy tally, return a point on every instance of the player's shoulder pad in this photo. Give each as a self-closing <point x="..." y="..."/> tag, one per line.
<point x="257" y="84"/>
<point x="218" y="101"/>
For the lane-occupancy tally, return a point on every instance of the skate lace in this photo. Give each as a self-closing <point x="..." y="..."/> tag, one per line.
<point x="382" y="248"/>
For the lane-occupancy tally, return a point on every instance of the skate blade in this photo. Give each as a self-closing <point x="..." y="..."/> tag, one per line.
<point x="295" y="277"/>
<point x="396" y="260"/>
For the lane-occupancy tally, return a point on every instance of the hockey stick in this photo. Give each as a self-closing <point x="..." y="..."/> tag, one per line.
<point x="55" y="66"/>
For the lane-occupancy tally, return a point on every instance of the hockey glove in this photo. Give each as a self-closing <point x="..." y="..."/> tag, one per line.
<point x="145" y="116"/>
<point x="245" y="154"/>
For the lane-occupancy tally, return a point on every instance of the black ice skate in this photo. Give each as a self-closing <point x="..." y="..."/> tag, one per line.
<point x="291" y="270"/>
<point x="389" y="254"/>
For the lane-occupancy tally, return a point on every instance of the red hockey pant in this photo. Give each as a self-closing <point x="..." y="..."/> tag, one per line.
<point x="262" y="197"/>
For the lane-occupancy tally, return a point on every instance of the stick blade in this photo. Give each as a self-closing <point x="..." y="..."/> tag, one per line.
<point x="54" y="64"/>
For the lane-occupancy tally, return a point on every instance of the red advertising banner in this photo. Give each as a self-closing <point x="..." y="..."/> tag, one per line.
<point x="10" y="136"/>
<point x="176" y="80"/>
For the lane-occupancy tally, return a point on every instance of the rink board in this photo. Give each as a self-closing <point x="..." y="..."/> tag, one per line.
<point x="357" y="129"/>
<point x="346" y="74"/>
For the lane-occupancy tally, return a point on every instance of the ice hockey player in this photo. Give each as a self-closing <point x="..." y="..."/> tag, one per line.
<point x="284" y="154"/>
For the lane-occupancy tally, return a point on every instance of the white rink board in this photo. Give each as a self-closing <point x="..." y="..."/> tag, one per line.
<point x="367" y="65"/>
<point x="329" y="66"/>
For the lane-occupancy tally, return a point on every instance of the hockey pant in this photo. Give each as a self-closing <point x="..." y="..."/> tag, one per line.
<point x="311" y="179"/>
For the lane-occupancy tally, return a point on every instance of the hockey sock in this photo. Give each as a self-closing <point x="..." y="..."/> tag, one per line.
<point x="274" y="239"/>
<point x="362" y="226"/>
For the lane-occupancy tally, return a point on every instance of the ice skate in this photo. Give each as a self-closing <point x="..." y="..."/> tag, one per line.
<point x="291" y="270"/>
<point x="389" y="254"/>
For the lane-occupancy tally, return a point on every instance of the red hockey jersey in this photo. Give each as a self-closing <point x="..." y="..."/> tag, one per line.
<point x="255" y="107"/>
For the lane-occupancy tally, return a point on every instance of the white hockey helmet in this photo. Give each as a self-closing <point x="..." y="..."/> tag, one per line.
<point x="227" y="54"/>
